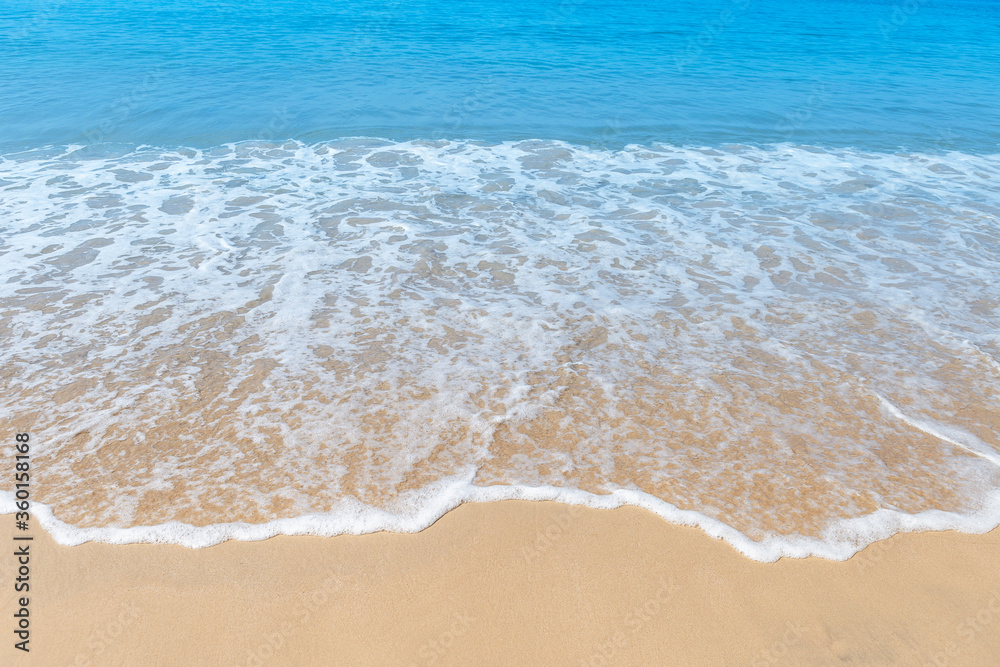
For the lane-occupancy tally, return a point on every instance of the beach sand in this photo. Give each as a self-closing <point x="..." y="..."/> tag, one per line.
<point x="509" y="583"/>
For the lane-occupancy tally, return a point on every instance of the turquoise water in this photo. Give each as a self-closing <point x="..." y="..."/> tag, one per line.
<point x="914" y="75"/>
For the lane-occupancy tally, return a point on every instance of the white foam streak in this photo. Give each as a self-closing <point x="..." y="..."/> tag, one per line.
<point x="953" y="436"/>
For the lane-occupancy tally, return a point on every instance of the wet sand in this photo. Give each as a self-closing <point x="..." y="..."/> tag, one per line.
<point x="509" y="583"/>
<point x="675" y="320"/>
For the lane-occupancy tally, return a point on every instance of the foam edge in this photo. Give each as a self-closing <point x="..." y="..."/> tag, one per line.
<point x="839" y="542"/>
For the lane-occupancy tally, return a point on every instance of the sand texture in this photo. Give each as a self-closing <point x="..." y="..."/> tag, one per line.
<point x="510" y="583"/>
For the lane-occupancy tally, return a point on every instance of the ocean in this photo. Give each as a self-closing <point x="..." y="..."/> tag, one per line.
<point x="338" y="267"/>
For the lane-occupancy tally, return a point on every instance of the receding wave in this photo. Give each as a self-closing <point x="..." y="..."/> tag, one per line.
<point x="795" y="348"/>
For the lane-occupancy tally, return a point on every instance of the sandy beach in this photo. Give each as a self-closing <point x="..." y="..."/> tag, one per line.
<point x="510" y="583"/>
<point x="500" y="333"/>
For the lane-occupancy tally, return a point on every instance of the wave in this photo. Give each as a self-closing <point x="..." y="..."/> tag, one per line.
<point x="791" y="347"/>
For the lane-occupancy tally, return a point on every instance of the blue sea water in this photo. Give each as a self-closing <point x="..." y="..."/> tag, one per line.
<point x="871" y="74"/>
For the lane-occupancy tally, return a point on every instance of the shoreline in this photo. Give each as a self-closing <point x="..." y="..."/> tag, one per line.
<point x="840" y="542"/>
<point x="509" y="582"/>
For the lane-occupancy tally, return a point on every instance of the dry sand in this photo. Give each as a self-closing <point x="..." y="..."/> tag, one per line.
<point x="509" y="583"/>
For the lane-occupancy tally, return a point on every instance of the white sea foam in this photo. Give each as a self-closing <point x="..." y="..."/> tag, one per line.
<point x="792" y="348"/>
<point x="841" y="540"/>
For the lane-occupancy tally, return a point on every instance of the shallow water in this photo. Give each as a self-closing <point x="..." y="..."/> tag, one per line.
<point x="733" y="262"/>
<point x="778" y="339"/>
